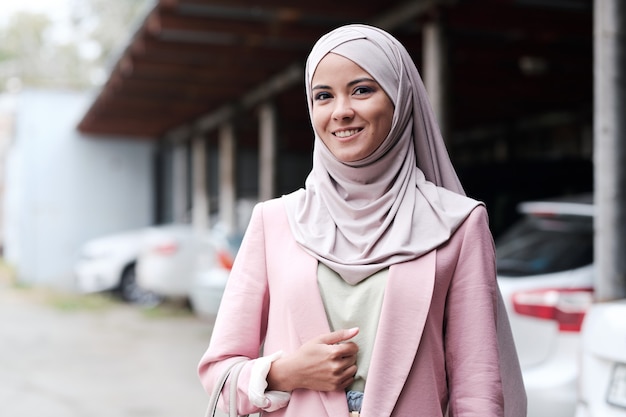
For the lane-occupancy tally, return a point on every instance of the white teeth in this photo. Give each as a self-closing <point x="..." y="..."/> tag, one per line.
<point x="346" y="133"/>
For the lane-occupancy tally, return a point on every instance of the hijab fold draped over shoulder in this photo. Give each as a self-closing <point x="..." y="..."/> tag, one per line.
<point x="400" y="202"/>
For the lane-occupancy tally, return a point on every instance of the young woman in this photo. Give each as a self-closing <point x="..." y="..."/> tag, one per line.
<point x="373" y="289"/>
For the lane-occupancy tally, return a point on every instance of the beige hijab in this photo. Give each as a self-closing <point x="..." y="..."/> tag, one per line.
<point x="400" y="202"/>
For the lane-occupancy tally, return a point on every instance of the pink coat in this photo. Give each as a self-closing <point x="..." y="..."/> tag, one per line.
<point x="443" y="340"/>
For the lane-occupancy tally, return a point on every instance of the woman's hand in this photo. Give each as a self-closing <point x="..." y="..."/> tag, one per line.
<point x="325" y="363"/>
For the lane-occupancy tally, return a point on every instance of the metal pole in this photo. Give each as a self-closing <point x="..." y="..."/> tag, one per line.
<point x="267" y="151"/>
<point x="227" y="182"/>
<point x="200" y="198"/>
<point x="435" y="72"/>
<point x="180" y="179"/>
<point x="610" y="148"/>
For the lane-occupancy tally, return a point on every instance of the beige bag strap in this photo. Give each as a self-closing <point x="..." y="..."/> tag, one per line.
<point x="233" y="371"/>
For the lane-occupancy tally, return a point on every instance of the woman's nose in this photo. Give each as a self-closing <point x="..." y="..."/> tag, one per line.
<point x="343" y="109"/>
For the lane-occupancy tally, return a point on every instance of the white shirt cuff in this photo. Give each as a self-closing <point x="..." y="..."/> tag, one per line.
<point x="266" y="400"/>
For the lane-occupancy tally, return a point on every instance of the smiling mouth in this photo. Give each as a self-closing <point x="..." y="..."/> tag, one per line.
<point x="346" y="133"/>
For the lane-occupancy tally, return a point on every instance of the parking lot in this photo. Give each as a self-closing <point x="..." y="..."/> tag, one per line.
<point x="66" y="355"/>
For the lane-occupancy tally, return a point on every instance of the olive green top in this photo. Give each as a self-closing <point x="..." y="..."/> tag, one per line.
<point x="356" y="305"/>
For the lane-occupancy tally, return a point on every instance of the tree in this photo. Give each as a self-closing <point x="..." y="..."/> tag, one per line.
<point x="30" y="53"/>
<point x="109" y="23"/>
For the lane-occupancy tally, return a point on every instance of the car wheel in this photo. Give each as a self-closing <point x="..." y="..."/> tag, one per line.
<point x="130" y="292"/>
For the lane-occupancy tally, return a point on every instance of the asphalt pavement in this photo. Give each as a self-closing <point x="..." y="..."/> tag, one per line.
<point x="69" y="355"/>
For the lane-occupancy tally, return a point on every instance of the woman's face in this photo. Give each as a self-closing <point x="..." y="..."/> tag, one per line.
<point x="351" y="113"/>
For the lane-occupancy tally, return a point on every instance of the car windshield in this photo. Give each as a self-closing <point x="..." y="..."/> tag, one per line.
<point x="541" y="245"/>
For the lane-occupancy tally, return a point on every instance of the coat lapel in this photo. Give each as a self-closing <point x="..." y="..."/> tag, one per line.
<point x="305" y="301"/>
<point x="405" y="308"/>
<point x="310" y="318"/>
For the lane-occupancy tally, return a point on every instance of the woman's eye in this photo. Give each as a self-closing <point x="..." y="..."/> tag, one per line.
<point x="322" y="96"/>
<point x="362" y="90"/>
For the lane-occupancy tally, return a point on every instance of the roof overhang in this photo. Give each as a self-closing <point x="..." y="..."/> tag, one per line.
<point x="194" y="64"/>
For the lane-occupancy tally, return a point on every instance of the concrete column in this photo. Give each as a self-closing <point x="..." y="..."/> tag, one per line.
<point x="435" y="72"/>
<point x="227" y="179"/>
<point x="610" y="148"/>
<point x="199" y="197"/>
<point x="180" y="179"/>
<point x="267" y="151"/>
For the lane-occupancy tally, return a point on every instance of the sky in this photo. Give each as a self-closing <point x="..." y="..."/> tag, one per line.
<point x="57" y="10"/>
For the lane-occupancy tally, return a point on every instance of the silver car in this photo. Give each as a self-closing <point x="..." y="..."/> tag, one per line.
<point x="603" y="361"/>
<point x="545" y="273"/>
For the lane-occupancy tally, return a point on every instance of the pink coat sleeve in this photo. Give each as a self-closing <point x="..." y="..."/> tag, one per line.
<point x="241" y="320"/>
<point x="482" y="365"/>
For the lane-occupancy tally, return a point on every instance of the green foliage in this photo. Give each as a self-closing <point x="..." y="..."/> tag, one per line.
<point x="168" y="309"/>
<point x="30" y="51"/>
<point x="7" y="274"/>
<point x="81" y="302"/>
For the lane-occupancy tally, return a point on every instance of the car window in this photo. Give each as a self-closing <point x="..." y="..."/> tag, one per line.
<point x="542" y="245"/>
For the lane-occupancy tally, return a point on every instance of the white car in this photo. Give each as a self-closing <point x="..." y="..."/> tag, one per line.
<point x="213" y="266"/>
<point x="545" y="274"/>
<point x="107" y="263"/>
<point x="602" y="385"/>
<point x="166" y="262"/>
<point x="169" y="261"/>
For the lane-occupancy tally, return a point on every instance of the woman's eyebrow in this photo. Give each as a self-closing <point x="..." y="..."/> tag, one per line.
<point x="350" y="84"/>
<point x="360" y="80"/>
